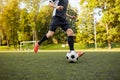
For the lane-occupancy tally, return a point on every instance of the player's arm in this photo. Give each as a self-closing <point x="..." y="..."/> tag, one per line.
<point x="73" y="17"/>
<point x="51" y="3"/>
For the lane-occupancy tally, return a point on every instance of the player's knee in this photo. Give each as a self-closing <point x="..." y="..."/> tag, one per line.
<point x="70" y="32"/>
<point x="49" y="34"/>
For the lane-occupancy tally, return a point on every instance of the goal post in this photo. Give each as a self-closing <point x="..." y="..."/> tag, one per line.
<point x="27" y="45"/>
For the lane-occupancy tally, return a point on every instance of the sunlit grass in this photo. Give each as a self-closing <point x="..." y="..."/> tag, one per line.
<point x="53" y="66"/>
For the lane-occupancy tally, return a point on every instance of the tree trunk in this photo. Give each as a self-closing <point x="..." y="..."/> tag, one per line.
<point x="109" y="44"/>
<point x="8" y="44"/>
<point x="36" y="37"/>
<point x="108" y="40"/>
<point x="0" y="41"/>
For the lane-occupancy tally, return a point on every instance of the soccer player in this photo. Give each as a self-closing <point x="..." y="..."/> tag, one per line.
<point x="59" y="19"/>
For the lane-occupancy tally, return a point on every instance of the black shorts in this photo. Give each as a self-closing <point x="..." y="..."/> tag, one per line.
<point x="59" y="22"/>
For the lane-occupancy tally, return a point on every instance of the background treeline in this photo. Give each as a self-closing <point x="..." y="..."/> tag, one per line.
<point x="27" y="24"/>
<point x="107" y="28"/>
<point x="31" y="22"/>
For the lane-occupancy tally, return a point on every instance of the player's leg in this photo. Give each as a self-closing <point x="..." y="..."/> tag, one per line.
<point x="50" y="33"/>
<point x="44" y="38"/>
<point x="66" y="27"/>
<point x="70" y="35"/>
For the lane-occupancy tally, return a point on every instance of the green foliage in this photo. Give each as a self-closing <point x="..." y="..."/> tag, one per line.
<point x="85" y="34"/>
<point x="108" y="29"/>
<point x="43" y="21"/>
<point x="32" y="22"/>
<point x="29" y="23"/>
<point x="111" y="19"/>
<point x="101" y="36"/>
<point x="25" y="31"/>
<point x="10" y="21"/>
<point x="20" y="24"/>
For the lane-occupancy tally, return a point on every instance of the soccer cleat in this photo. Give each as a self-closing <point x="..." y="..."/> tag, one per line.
<point x="80" y="53"/>
<point x="36" y="47"/>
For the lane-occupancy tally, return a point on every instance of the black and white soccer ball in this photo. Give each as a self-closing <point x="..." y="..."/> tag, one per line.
<point x="72" y="56"/>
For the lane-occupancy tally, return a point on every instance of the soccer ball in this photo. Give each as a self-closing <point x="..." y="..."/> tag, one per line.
<point x="72" y="56"/>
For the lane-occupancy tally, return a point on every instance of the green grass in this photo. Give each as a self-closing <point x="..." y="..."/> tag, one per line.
<point x="53" y="66"/>
<point x="56" y="47"/>
<point x="4" y="48"/>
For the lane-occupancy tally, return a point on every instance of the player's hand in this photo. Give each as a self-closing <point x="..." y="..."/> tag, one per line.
<point x="59" y="7"/>
<point x="73" y="17"/>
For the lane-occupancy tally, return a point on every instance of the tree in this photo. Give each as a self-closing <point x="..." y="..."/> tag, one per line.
<point x="25" y="31"/>
<point x="2" y="4"/>
<point x="85" y="34"/>
<point x="33" y="7"/>
<point x="110" y="17"/>
<point x="110" y="20"/>
<point x="43" y="21"/>
<point x="10" y="21"/>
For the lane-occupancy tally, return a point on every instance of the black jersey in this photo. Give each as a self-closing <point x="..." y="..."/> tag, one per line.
<point x="60" y="13"/>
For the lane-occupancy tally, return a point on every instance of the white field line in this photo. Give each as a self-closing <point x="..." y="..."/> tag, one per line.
<point x="64" y="51"/>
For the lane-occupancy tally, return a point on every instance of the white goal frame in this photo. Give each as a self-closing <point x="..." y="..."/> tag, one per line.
<point x="26" y="42"/>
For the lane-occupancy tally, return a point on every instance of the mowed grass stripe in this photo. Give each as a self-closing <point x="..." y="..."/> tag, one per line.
<point x="53" y="66"/>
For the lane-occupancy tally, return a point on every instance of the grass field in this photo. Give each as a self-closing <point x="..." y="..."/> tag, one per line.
<point x="53" y="66"/>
